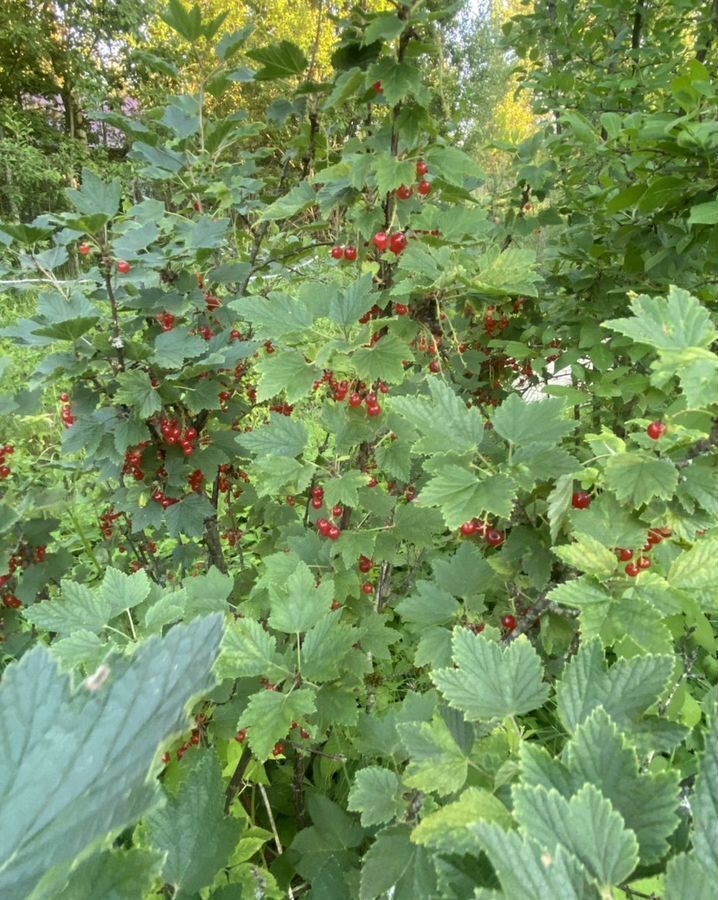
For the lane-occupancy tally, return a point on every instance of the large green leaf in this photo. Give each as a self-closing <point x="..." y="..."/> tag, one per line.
<point x="491" y="682"/>
<point x="544" y="423"/>
<point x="586" y="825"/>
<point x="394" y="863"/>
<point x="112" y="875"/>
<point x="96" y="196"/>
<point x="76" y="765"/>
<point x="299" y="602"/>
<point x="705" y="801"/>
<point x="447" y="829"/>
<point x="462" y="495"/>
<point x="444" y="421"/>
<point x="269" y="714"/>
<point x="191" y="828"/>
<point x="285" y="372"/>
<point x="638" y="478"/>
<point x="436" y="762"/>
<point x="249" y="650"/>
<point x="677" y="322"/>
<point x="376" y="794"/>
<point x="281" y="60"/>
<point x="281" y="436"/>
<point x="626" y="690"/>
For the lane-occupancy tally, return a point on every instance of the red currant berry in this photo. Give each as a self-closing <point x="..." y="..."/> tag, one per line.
<point x="468" y="528"/>
<point x="317" y="503"/>
<point x="495" y="537"/>
<point x="397" y="243"/>
<point x="508" y="622"/>
<point x="401" y="309"/>
<point x="632" y="570"/>
<point x="624" y="555"/>
<point x="333" y="533"/>
<point x="367" y="588"/>
<point x="656" y="430"/>
<point x="421" y="168"/>
<point x="424" y="188"/>
<point x="124" y="267"/>
<point x="355" y="401"/>
<point x="381" y="241"/>
<point x="84" y="249"/>
<point x="337" y="253"/>
<point x="581" y="500"/>
<point x="404" y="192"/>
<point x="350" y="254"/>
<point x="644" y="562"/>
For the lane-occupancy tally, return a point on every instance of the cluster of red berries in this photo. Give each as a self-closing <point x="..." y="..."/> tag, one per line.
<point x="373" y="313"/>
<point x="107" y="521"/>
<point x="284" y="409"/>
<point x="196" y="481"/>
<point x="423" y="188"/>
<point x="494" y="537"/>
<point x="160" y="497"/>
<point x="395" y="243"/>
<point x="24" y="556"/>
<point x="133" y="462"/>
<point x="492" y="325"/>
<point x="349" y="253"/>
<point x="68" y="420"/>
<point x="212" y="302"/>
<point x="167" y="321"/>
<point x="5" y="469"/>
<point x="11" y="601"/>
<point x="303" y="733"/>
<point x="365" y="566"/>
<point x="655" y="536"/>
<point x="172" y="434"/>
<point x="328" y="529"/>
<point x="233" y="536"/>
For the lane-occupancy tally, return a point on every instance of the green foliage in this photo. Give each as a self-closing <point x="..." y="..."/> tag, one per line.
<point x="402" y="486"/>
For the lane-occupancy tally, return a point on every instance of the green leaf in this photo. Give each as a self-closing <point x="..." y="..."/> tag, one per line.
<point x="383" y="361"/>
<point x="376" y="794"/>
<point x="625" y="691"/>
<point x="704" y="213"/>
<point x="358" y="299"/>
<point x="694" y="569"/>
<point x="447" y="829"/>
<point x="638" y="478"/>
<point x="542" y="424"/>
<point x="80" y="648"/>
<point x="428" y="605"/>
<point x="121" y="591"/>
<point x="248" y="650"/>
<point x="191" y="828"/>
<point x="325" y="646"/>
<point x="172" y="348"/>
<point x="384" y="27"/>
<point x="113" y="875"/>
<point x="588" y="555"/>
<point x="677" y="322"/>
<point x="135" y="391"/>
<point x="393" y="863"/>
<point x="71" y="740"/>
<point x="559" y="504"/>
<point x="648" y="802"/>
<point x="333" y="834"/>
<point x="96" y="197"/>
<point x="704" y="804"/>
<point x="502" y="274"/>
<point x="281" y="60"/>
<point x="492" y="682"/>
<point x="274" y="316"/>
<point x="269" y="714"/>
<point x="461" y="495"/>
<point x="686" y="877"/>
<point x="391" y="173"/>
<point x="282" y="436"/>
<point x="436" y="762"/>
<point x="189" y="515"/>
<point x="299" y="603"/>
<point x="285" y="372"/>
<point x="344" y="488"/>
<point x="80" y="608"/>
<point x="398" y="80"/>
<point x="558" y="874"/>
<point x="446" y="424"/>
<point x="299" y="198"/>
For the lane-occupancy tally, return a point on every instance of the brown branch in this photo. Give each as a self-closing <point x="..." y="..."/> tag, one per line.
<point x="235" y="782"/>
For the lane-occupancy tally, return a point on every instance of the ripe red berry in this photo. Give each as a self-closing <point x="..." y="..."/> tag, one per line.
<point x="317" y="503"/>
<point x="333" y="533"/>
<point x="397" y="243"/>
<point x="337" y="252"/>
<point x="13" y="602"/>
<point x="624" y="555"/>
<point x="435" y="366"/>
<point x="404" y="192"/>
<point x="421" y="168"/>
<point x="355" y="401"/>
<point x="424" y="188"/>
<point x="367" y="588"/>
<point x="350" y="254"/>
<point x="84" y="249"/>
<point x="656" y="430"/>
<point x="581" y="500"/>
<point x="508" y="622"/>
<point x="241" y="736"/>
<point x="124" y="267"/>
<point x="377" y="87"/>
<point x="401" y="309"/>
<point x="644" y="562"/>
<point x="278" y="749"/>
<point x="323" y="526"/>
<point x="4" y="472"/>
<point x="495" y="537"/>
<point x="337" y="511"/>
<point x="468" y="528"/>
<point x="373" y="409"/>
<point x="632" y="570"/>
<point x="381" y="241"/>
